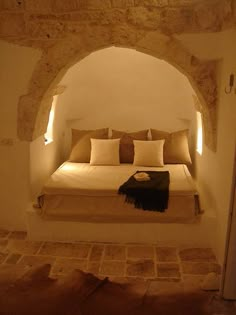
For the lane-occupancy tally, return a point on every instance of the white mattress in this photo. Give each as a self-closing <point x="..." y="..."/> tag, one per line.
<point x="83" y="192"/>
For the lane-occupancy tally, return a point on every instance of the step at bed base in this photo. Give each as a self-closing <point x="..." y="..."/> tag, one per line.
<point x="200" y="234"/>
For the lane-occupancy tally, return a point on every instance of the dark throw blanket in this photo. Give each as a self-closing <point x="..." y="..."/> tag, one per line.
<point x="148" y="195"/>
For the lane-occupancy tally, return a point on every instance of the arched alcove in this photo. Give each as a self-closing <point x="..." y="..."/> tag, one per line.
<point x="33" y="108"/>
<point x="124" y="89"/>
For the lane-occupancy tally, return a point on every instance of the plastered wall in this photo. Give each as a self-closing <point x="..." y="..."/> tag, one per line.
<point x="215" y="170"/>
<point x="16" y="64"/>
<point x="126" y="90"/>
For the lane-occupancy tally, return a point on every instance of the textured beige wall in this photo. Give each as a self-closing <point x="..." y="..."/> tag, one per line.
<point x="68" y="31"/>
<point x="16" y="64"/>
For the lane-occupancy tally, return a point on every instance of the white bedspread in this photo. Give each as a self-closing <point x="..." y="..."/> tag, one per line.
<point x="84" y="179"/>
<point x="79" y="191"/>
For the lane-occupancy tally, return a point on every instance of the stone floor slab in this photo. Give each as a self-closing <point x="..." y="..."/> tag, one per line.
<point x="93" y="267"/>
<point x="112" y="268"/>
<point x="140" y="252"/>
<point x="197" y="255"/>
<point x="115" y="252"/>
<point x="22" y="247"/>
<point x="168" y="270"/>
<point x="140" y="268"/>
<point x="200" y="268"/>
<point x="12" y="259"/>
<point x="65" y="249"/>
<point x="96" y="252"/>
<point x="166" y="254"/>
<point x="36" y="260"/>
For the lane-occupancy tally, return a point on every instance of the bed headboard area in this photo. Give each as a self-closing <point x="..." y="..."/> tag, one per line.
<point x="172" y="147"/>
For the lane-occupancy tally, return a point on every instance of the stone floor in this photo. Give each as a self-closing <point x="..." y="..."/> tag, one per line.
<point x="161" y="268"/>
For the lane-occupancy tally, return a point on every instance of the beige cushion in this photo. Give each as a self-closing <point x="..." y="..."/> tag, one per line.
<point x="105" y="152"/>
<point x="176" y="148"/>
<point x="148" y="153"/>
<point x="126" y="143"/>
<point x="81" y="145"/>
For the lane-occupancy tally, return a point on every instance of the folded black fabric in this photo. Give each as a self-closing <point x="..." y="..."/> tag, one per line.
<point x="148" y="195"/>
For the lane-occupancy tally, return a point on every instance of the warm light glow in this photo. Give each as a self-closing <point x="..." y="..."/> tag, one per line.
<point x="199" y="133"/>
<point x="49" y="133"/>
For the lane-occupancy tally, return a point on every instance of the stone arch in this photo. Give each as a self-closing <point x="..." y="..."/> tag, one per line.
<point x="33" y="108"/>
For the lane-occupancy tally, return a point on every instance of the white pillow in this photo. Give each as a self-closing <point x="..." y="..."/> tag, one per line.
<point x="148" y="153"/>
<point x="105" y="152"/>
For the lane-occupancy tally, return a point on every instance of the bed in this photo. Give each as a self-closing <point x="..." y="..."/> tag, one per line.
<point x="87" y="193"/>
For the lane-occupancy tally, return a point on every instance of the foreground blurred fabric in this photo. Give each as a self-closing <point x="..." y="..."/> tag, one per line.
<point x="27" y="291"/>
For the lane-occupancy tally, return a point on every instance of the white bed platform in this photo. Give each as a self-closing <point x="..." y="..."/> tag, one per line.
<point x="81" y="203"/>
<point x="199" y="234"/>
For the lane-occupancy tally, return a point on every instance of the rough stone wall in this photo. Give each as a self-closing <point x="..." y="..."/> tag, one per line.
<point x="67" y="31"/>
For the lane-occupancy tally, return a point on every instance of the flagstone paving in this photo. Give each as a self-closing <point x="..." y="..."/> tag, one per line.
<point x="161" y="269"/>
<point x="148" y="262"/>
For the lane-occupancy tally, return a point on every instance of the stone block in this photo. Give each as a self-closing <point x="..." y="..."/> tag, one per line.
<point x="99" y="17"/>
<point x="140" y="268"/>
<point x="12" y="259"/>
<point x="93" y="267"/>
<point x="51" y="29"/>
<point x="86" y="16"/>
<point x="65" y="6"/>
<point x="12" y="24"/>
<point x="23" y="247"/>
<point x="140" y="252"/>
<point x="177" y="20"/>
<point x="39" y="6"/>
<point x="144" y="17"/>
<point x="96" y="252"/>
<point x="123" y="36"/>
<point x="112" y="268"/>
<point x="212" y="18"/>
<point x="154" y="3"/>
<point x="180" y="3"/>
<point x="168" y="270"/>
<point x="115" y="252"/>
<point x="122" y="3"/>
<point x="200" y="268"/>
<point x="114" y="16"/>
<point x="12" y="4"/>
<point x="166" y="254"/>
<point x="197" y="255"/>
<point x="65" y="249"/>
<point x="30" y="260"/>
<point x="95" y="4"/>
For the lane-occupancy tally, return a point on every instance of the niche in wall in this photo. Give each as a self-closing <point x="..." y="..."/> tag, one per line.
<point x="126" y="90"/>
